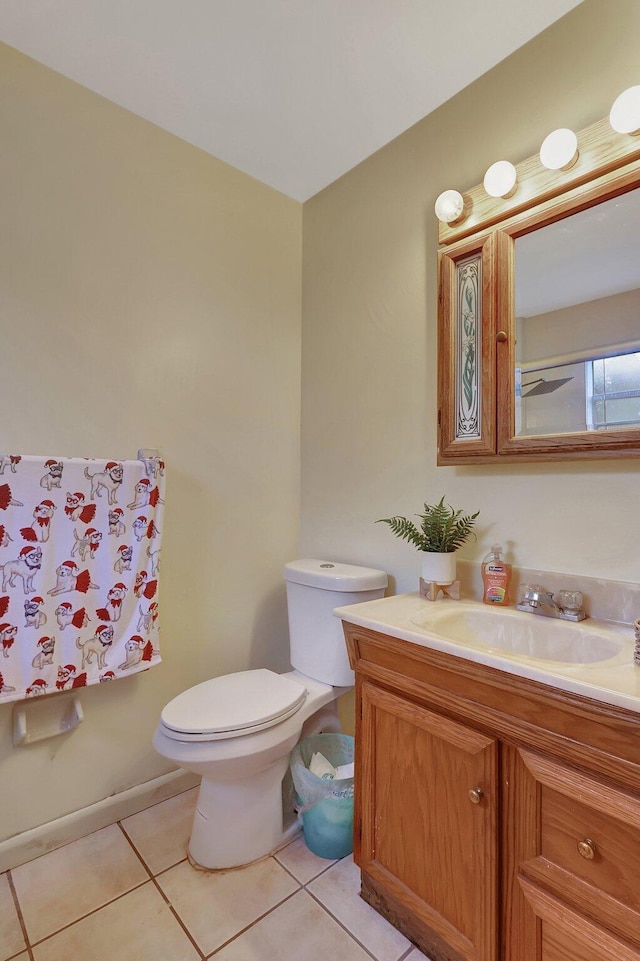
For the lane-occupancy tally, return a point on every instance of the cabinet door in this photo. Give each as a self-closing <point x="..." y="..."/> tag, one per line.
<point x="427" y="800"/>
<point x="467" y="352"/>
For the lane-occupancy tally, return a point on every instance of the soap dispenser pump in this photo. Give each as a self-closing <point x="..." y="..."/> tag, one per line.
<point x="496" y="577"/>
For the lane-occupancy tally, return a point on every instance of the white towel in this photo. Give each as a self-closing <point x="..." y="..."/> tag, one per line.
<point x="79" y="571"/>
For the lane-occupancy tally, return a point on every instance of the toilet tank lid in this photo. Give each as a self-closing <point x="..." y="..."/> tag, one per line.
<point x="331" y="576"/>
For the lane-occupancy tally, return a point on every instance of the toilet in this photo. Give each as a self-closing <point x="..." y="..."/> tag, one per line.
<point x="238" y="730"/>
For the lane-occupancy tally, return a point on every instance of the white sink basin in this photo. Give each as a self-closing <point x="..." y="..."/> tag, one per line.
<point x="518" y="634"/>
<point x="592" y="658"/>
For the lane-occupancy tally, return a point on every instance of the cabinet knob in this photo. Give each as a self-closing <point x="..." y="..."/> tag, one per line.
<point x="587" y="849"/>
<point x="475" y="795"/>
<point x="502" y="337"/>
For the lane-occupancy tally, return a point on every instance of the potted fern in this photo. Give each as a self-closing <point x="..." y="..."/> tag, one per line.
<point x="442" y="530"/>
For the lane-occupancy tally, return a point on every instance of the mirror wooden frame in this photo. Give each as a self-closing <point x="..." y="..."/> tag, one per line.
<point x="609" y="165"/>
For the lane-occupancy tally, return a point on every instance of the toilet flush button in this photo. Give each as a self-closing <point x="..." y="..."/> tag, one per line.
<point x="324" y="566"/>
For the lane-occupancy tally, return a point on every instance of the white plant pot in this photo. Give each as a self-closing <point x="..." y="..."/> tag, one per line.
<point x="439" y="568"/>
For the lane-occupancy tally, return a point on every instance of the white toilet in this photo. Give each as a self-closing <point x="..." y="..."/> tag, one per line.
<point x="238" y="730"/>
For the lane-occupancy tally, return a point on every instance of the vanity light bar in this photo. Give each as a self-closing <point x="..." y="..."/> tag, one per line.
<point x="530" y="182"/>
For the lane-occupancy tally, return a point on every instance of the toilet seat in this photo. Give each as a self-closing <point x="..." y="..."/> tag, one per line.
<point x="232" y="705"/>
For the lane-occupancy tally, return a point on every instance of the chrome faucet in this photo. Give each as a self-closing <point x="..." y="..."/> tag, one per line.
<point x="568" y="606"/>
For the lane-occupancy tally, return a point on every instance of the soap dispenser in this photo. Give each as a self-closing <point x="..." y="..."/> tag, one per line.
<point x="496" y="577"/>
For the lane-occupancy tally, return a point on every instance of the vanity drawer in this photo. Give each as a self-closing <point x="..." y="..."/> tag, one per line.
<point x="601" y="847"/>
<point x="589" y="834"/>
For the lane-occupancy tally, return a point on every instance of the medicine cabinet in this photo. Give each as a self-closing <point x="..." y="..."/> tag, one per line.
<point x="539" y="313"/>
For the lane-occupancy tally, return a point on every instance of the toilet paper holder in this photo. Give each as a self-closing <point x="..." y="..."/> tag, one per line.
<point x="44" y="717"/>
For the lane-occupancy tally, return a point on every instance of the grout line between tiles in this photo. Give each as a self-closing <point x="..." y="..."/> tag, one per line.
<point x="175" y="913"/>
<point x="23" y="926"/>
<point x="408" y="952"/>
<point x="342" y="925"/>
<point x="327" y="910"/>
<point x="324" y="871"/>
<point x="89" y="913"/>
<point x="257" y="920"/>
<point x="304" y="887"/>
<point x="303" y="884"/>
<point x="170" y="868"/>
<point x="135" y="851"/>
<point x="166" y="900"/>
<point x="161" y="892"/>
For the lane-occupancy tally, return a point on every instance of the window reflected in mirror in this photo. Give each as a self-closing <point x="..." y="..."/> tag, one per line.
<point x="601" y="394"/>
<point x="613" y="398"/>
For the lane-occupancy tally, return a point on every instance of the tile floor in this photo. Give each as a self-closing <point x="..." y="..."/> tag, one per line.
<point x="127" y="892"/>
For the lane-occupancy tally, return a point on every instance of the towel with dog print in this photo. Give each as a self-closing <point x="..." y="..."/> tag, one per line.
<point x="79" y="570"/>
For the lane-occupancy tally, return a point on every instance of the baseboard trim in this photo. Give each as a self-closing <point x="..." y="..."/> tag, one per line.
<point x="54" y="834"/>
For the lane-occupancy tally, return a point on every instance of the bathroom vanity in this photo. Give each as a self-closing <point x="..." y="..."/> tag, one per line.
<point x="497" y="794"/>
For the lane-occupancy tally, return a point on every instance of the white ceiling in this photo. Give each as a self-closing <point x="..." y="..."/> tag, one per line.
<point x="292" y="92"/>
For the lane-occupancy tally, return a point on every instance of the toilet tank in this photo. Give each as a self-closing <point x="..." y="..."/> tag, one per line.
<point x="316" y="639"/>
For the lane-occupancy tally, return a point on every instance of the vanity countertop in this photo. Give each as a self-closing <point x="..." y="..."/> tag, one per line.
<point x="615" y="680"/>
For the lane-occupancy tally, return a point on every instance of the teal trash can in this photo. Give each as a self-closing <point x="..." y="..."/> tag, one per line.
<point x="325" y="805"/>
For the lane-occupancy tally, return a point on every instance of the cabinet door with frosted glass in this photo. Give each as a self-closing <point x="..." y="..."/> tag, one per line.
<point x="467" y="351"/>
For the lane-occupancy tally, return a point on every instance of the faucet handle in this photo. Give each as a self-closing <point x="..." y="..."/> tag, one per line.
<point x="533" y="589"/>
<point x="571" y="601"/>
<point x="531" y="593"/>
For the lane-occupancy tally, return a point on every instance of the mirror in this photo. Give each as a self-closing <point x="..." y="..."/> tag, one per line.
<point x="577" y="321"/>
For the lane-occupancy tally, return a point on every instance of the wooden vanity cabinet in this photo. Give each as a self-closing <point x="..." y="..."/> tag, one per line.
<point x="497" y="819"/>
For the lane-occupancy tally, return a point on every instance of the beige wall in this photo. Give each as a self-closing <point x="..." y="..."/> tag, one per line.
<point x="149" y="296"/>
<point x="585" y="327"/>
<point x="369" y="327"/>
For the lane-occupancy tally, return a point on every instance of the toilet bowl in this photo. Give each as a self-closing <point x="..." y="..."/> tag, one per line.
<point x="239" y="815"/>
<point x="237" y="731"/>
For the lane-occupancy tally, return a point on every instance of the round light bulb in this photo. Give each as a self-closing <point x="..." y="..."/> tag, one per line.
<point x="625" y="113"/>
<point x="559" y="150"/>
<point x="500" y="179"/>
<point x="449" y="206"/>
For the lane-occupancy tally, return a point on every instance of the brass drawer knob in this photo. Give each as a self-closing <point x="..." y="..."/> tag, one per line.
<point x="475" y="795"/>
<point x="502" y="337"/>
<point x="587" y="849"/>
